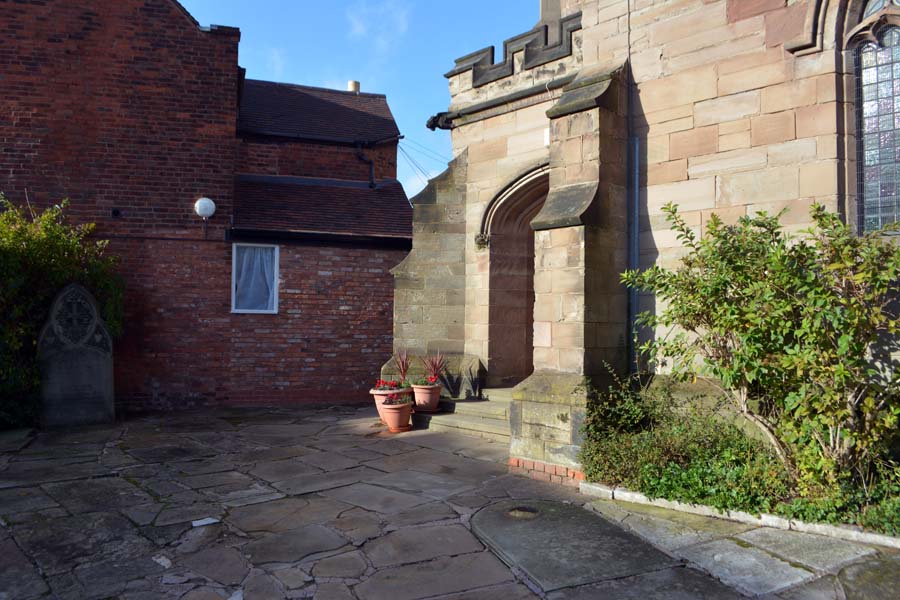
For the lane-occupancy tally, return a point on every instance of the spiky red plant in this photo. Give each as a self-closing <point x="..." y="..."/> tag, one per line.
<point x="401" y="358"/>
<point x="435" y="365"/>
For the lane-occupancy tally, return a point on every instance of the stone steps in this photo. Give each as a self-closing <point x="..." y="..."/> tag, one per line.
<point x="488" y="418"/>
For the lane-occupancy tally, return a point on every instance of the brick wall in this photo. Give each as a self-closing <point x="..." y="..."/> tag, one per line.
<point x="184" y="348"/>
<point x="273" y="156"/>
<point x="128" y="105"/>
<point x="124" y="104"/>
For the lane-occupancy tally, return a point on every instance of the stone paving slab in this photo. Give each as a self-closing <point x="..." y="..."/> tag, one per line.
<point x="441" y="576"/>
<point x="247" y="504"/>
<point x="562" y="545"/>
<point x="678" y="583"/>
<point x="374" y="498"/>
<point x="417" y="544"/>
<point x="746" y="568"/>
<point x="813" y="551"/>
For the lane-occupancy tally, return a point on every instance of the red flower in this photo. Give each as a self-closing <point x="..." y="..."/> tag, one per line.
<point x="433" y="379"/>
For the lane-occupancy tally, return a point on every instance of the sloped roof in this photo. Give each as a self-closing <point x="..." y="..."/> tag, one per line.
<point x="307" y="205"/>
<point x="298" y="111"/>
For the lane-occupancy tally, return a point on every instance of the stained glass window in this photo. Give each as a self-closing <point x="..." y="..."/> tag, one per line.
<point x="878" y="86"/>
<point x="875" y="5"/>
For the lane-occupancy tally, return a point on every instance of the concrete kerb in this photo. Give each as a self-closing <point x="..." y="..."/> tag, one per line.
<point x="849" y="534"/>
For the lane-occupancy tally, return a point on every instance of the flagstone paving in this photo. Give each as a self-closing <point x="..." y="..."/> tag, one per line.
<point x="324" y="503"/>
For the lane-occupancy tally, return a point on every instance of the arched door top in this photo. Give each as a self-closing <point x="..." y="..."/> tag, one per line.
<point x="516" y="201"/>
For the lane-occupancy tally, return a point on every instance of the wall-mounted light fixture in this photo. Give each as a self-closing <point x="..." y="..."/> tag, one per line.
<point x="205" y="208"/>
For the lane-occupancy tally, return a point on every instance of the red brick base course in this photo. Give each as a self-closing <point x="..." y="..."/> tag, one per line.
<point x="545" y="471"/>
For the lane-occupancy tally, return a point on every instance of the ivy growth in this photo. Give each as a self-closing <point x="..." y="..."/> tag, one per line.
<point x="39" y="255"/>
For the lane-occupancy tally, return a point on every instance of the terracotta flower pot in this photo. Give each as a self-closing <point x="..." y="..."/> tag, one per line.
<point x="396" y="416"/>
<point x="427" y="397"/>
<point x="381" y="395"/>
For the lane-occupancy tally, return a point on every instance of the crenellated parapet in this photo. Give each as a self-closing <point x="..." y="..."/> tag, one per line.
<point x="535" y="45"/>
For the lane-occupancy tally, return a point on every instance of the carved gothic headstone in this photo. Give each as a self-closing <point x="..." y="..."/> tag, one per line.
<point x="75" y="359"/>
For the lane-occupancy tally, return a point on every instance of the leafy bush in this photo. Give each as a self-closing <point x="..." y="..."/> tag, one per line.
<point x="39" y="255"/>
<point x="648" y="441"/>
<point x="799" y="331"/>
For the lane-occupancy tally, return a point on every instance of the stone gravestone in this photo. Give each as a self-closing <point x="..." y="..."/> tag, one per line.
<point x="75" y="359"/>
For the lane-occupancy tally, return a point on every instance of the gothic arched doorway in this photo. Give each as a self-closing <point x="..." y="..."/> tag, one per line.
<point x="511" y="278"/>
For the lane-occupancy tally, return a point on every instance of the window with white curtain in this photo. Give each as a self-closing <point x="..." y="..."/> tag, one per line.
<point x="254" y="278"/>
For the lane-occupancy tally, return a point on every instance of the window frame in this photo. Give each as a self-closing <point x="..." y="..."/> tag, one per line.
<point x="860" y="31"/>
<point x="277" y="270"/>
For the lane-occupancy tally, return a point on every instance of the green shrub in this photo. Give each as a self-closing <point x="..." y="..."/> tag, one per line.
<point x="799" y="331"/>
<point x="39" y="255"/>
<point x="649" y="441"/>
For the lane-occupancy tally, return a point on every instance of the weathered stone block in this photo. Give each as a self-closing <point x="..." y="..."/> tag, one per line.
<point x="76" y="364"/>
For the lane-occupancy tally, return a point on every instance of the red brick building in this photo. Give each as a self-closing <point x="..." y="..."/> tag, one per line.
<point x="133" y="111"/>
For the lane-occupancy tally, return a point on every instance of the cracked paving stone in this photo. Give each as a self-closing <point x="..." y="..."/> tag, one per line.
<point x="179" y="451"/>
<point x="240" y="494"/>
<point x="292" y="577"/>
<point x="668" y="529"/>
<point x="329" y="461"/>
<point x="679" y="583"/>
<point x="258" y="455"/>
<point x="424" y="513"/>
<point x="262" y="586"/>
<point x="349" y="565"/>
<point x="285" y="514"/>
<point x="15" y="439"/>
<point x="109" y="578"/>
<point x="215" y="480"/>
<point x="317" y="482"/>
<point x="18" y="577"/>
<point x="293" y="545"/>
<point x="561" y="545"/>
<point x="422" y="483"/>
<point x="416" y="544"/>
<point x="375" y="498"/>
<point x="184" y="514"/>
<point x="204" y="467"/>
<point x="358" y="524"/>
<point x="93" y="495"/>
<point x="30" y="473"/>
<point x="334" y="591"/>
<point x="508" y="591"/>
<point x="747" y="569"/>
<point x="203" y="593"/>
<point x="19" y="500"/>
<point x="872" y="580"/>
<point x="60" y="544"/>
<point x="143" y="514"/>
<point x="824" y="588"/>
<point x="279" y="470"/>
<point x="814" y="551"/>
<point x="444" y="575"/>
<point x="224" y="565"/>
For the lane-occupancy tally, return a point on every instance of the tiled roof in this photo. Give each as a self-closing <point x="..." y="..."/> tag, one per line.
<point x="298" y="111"/>
<point x="299" y="204"/>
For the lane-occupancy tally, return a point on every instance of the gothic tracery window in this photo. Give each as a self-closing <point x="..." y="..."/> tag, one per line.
<point x="878" y="97"/>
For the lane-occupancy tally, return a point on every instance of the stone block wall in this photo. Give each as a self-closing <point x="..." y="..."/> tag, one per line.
<point x="735" y="107"/>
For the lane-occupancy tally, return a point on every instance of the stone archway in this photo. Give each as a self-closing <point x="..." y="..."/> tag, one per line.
<point x="506" y="225"/>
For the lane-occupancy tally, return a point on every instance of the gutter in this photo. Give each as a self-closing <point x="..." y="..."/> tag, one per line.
<point x="444" y="120"/>
<point x="320" y="238"/>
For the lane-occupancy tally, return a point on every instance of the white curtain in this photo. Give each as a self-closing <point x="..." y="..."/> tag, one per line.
<point x="254" y="278"/>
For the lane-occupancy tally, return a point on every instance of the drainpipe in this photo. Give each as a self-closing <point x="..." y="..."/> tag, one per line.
<point x="634" y="196"/>
<point x="362" y="156"/>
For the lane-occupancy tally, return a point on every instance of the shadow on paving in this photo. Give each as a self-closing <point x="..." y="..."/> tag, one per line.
<point x="321" y="502"/>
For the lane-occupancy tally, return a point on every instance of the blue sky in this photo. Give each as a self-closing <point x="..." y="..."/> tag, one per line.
<point x="400" y="48"/>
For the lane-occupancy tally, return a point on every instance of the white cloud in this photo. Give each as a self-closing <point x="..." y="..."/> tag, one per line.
<point x="275" y="63"/>
<point x="381" y="22"/>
